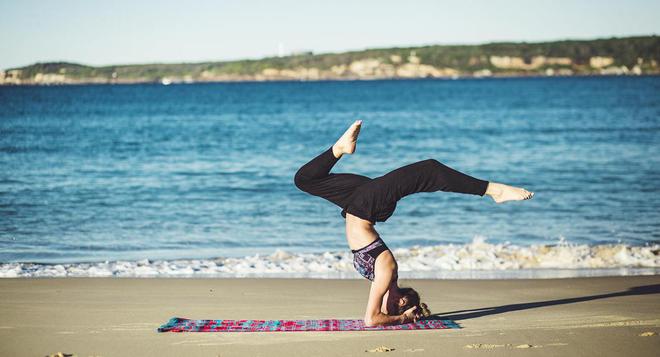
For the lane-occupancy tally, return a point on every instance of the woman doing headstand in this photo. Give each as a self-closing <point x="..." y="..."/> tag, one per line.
<point x="365" y="201"/>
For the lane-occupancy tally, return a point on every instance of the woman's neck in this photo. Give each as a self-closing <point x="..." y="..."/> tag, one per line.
<point x="392" y="299"/>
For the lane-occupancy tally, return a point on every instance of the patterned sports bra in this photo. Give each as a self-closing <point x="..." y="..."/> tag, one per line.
<point x="365" y="258"/>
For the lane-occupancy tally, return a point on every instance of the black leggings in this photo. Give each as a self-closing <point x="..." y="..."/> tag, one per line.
<point x="375" y="199"/>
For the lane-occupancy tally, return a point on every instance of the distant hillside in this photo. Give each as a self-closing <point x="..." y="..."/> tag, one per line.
<point x="632" y="55"/>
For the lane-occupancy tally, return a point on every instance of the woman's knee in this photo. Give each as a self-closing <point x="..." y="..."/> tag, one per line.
<point x="301" y="181"/>
<point x="433" y="163"/>
<point x="433" y="166"/>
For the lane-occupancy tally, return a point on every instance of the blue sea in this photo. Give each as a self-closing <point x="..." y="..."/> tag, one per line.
<point x="96" y="176"/>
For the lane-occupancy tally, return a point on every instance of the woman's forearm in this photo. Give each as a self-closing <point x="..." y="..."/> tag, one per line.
<point x="381" y="319"/>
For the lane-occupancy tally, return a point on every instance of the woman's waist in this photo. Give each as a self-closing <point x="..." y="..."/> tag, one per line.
<point x="376" y="244"/>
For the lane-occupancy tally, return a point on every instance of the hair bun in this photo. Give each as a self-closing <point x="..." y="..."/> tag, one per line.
<point x="425" y="310"/>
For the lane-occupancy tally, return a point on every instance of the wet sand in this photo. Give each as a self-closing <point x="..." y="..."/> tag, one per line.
<point x="610" y="316"/>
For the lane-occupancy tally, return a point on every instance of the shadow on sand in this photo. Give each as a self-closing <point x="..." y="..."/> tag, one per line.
<point x="485" y="311"/>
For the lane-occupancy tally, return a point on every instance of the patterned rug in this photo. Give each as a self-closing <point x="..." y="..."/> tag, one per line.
<point x="177" y="324"/>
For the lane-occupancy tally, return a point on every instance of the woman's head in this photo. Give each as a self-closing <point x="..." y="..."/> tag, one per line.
<point x="404" y="299"/>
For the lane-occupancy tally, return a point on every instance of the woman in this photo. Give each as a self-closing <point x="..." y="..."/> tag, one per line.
<point x="365" y="201"/>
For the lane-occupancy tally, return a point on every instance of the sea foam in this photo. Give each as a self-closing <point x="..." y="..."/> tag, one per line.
<point x="478" y="259"/>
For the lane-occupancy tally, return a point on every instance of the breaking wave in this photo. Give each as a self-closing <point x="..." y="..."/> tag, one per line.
<point x="478" y="259"/>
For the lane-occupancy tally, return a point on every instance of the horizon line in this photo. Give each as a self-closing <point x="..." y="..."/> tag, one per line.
<point x="333" y="52"/>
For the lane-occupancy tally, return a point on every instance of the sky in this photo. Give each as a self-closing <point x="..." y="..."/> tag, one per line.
<point x="96" y="32"/>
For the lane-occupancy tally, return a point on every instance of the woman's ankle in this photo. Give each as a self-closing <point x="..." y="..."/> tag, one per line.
<point x="336" y="152"/>
<point x="493" y="189"/>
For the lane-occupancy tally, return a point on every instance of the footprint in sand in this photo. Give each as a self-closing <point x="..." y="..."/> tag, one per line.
<point x="487" y="346"/>
<point x="525" y="345"/>
<point x="381" y="349"/>
<point x="483" y="346"/>
<point x="414" y="350"/>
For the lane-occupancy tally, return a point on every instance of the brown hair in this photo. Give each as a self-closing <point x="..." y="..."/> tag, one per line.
<point x="412" y="299"/>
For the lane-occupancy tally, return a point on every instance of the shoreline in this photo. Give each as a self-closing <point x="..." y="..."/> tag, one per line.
<point x="521" y="274"/>
<point x="329" y="80"/>
<point x="112" y="317"/>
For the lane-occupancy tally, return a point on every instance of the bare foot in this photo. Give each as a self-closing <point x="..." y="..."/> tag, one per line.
<point x="346" y="144"/>
<point x="502" y="193"/>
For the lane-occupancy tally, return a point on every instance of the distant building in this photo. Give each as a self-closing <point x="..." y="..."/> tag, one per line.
<point x="482" y="73"/>
<point x="600" y="62"/>
<point x="11" y="77"/>
<point x="508" y="62"/>
<point x="413" y="58"/>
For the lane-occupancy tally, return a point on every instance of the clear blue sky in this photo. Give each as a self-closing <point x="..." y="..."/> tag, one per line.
<point x="119" y="31"/>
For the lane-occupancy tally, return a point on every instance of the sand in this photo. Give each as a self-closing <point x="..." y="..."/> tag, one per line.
<point x="611" y="316"/>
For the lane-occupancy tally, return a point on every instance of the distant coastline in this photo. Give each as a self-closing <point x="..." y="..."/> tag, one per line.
<point x="615" y="56"/>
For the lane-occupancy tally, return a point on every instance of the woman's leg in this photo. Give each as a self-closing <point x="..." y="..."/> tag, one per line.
<point x="315" y="178"/>
<point x="428" y="176"/>
<point x="431" y="176"/>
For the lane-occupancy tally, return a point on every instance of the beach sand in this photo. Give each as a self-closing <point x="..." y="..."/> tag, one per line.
<point x="611" y="316"/>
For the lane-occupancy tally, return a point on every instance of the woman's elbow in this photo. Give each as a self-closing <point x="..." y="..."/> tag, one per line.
<point x="371" y="321"/>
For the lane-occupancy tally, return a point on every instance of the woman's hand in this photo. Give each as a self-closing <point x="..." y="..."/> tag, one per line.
<point x="410" y="315"/>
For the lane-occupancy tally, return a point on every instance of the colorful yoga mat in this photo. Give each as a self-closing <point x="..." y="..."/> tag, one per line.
<point x="178" y="324"/>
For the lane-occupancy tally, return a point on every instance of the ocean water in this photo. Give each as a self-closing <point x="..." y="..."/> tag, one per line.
<point x="115" y="180"/>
